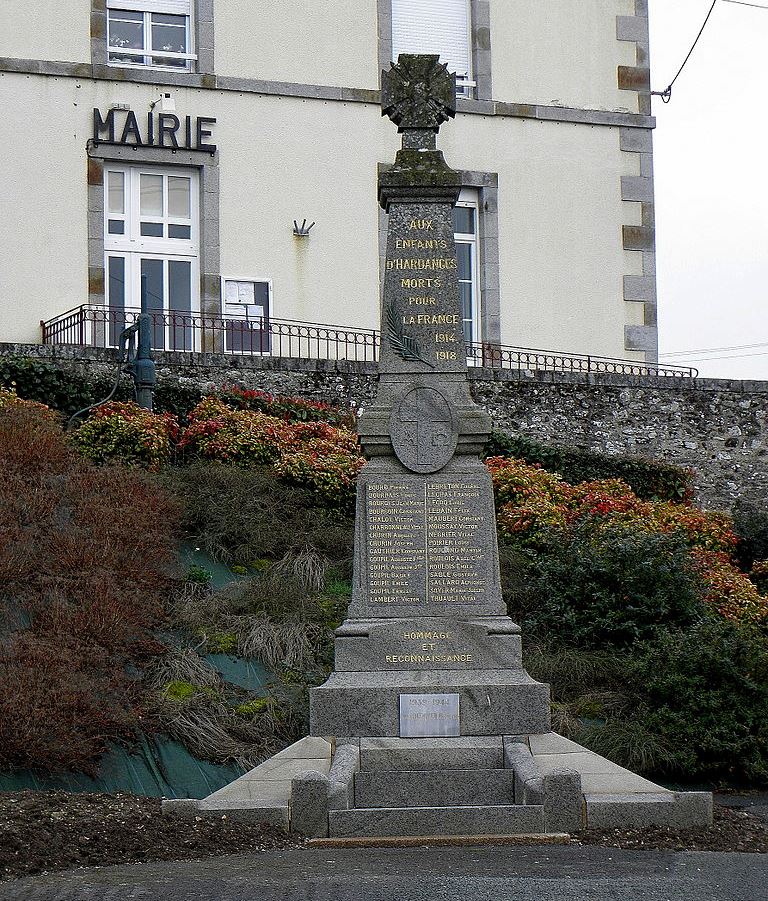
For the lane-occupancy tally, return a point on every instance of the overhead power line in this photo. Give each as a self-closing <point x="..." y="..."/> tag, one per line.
<point x="712" y="350"/>
<point x="744" y="3"/>
<point x="730" y="357"/>
<point x="666" y="94"/>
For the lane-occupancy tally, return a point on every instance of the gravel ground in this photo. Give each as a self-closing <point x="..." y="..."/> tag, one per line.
<point x="51" y="831"/>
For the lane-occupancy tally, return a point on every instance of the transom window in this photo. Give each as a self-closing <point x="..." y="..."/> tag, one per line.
<point x="436" y="26"/>
<point x="465" y="215"/>
<point x="154" y="33"/>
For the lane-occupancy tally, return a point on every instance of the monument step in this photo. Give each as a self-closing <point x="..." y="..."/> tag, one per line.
<point x="407" y="754"/>
<point x="402" y="821"/>
<point x="448" y="788"/>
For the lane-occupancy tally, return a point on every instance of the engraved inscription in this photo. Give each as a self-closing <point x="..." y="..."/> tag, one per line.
<point x="425" y="544"/>
<point x="429" y="715"/>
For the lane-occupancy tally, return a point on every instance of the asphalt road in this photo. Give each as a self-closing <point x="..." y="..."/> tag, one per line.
<point x="551" y="873"/>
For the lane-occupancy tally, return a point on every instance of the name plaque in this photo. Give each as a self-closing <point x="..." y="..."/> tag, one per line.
<point x="429" y="716"/>
<point x="427" y="542"/>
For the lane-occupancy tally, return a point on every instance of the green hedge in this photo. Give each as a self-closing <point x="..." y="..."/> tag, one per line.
<point x="649" y="479"/>
<point x="45" y="383"/>
<point x="69" y="392"/>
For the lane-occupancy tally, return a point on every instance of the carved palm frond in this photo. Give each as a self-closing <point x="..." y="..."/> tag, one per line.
<point x="403" y="345"/>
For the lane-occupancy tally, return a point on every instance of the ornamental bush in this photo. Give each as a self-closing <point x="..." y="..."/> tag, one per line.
<point x="316" y="455"/>
<point x="123" y="432"/>
<point x="45" y="383"/>
<point x="595" y="550"/>
<point x="705" y="693"/>
<point x="323" y="458"/>
<point x="217" y="432"/>
<point x="85" y="553"/>
<point x="291" y="409"/>
<point x="649" y="479"/>
<point x="609" y="587"/>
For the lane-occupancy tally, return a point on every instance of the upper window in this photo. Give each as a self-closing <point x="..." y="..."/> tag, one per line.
<point x="154" y="33"/>
<point x="436" y="26"/>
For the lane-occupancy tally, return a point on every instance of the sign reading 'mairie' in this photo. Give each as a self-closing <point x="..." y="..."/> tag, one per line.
<point x="157" y="130"/>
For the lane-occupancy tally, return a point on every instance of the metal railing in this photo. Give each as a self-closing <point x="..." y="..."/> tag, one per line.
<point x="99" y="326"/>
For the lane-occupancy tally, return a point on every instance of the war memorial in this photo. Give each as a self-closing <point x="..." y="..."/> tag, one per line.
<point x="429" y="724"/>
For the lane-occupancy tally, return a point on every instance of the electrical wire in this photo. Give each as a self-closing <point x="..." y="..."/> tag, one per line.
<point x="712" y="350"/>
<point x="744" y="3"/>
<point x="666" y="94"/>
<point x="732" y="357"/>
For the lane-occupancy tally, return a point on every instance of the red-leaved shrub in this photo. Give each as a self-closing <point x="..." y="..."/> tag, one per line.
<point x="86" y="555"/>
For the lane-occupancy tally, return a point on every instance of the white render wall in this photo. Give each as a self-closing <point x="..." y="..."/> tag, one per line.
<point x="46" y="29"/>
<point x="561" y="52"/>
<point x="280" y="159"/>
<point x="331" y="42"/>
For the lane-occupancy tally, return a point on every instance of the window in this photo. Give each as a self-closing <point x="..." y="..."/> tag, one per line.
<point x="247" y="305"/>
<point x="153" y="33"/>
<point x="436" y="26"/>
<point x="465" y="215"/>
<point x="151" y="247"/>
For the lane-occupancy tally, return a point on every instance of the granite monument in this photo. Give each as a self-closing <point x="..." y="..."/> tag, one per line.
<point x="429" y="725"/>
<point x="426" y="614"/>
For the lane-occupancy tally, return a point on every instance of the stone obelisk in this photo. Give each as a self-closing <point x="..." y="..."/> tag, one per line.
<point x="427" y="649"/>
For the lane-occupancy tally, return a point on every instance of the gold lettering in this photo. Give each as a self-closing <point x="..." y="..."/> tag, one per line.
<point x="421" y="225"/>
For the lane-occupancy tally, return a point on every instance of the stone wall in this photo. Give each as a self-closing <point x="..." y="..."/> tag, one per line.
<point x="719" y="428"/>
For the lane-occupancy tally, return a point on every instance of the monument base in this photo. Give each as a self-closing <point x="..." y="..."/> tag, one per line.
<point x="491" y="702"/>
<point x="484" y="786"/>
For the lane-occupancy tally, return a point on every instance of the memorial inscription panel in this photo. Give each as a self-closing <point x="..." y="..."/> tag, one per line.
<point x="429" y="715"/>
<point x="421" y="315"/>
<point x="426" y="542"/>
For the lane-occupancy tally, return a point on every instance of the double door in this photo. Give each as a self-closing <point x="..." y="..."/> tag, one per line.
<point x="151" y="228"/>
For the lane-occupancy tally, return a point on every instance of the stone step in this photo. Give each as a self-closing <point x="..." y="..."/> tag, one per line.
<point x="403" y="821"/>
<point x="465" y="753"/>
<point x="447" y="788"/>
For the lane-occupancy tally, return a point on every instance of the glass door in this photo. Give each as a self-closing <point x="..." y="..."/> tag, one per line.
<point x="152" y="260"/>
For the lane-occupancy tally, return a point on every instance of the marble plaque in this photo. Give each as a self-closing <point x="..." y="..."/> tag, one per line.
<point x="429" y="716"/>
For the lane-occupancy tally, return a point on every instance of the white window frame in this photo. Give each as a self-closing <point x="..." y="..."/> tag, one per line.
<point x="250" y="280"/>
<point x="464" y="82"/>
<point x="470" y="199"/>
<point x="145" y="57"/>
<point x="134" y="247"/>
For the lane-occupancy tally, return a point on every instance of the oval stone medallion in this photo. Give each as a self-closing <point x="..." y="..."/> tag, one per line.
<point x="423" y="430"/>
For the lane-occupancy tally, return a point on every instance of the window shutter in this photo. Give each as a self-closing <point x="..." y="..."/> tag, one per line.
<point x="170" y="7"/>
<point x="433" y="26"/>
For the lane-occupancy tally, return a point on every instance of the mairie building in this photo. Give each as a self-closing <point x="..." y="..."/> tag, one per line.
<point x="217" y="161"/>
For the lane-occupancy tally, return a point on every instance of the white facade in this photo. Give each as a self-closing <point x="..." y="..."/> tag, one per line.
<point x="554" y="143"/>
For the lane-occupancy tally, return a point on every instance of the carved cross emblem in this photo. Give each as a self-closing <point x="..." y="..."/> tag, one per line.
<point x="418" y="92"/>
<point x="423" y="432"/>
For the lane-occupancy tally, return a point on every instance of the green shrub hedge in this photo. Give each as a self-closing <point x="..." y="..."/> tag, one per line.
<point x="649" y="479"/>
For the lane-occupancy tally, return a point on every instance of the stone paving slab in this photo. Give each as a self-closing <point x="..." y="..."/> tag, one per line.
<point x="552" y="743"/>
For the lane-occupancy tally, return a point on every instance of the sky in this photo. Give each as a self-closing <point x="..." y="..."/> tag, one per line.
<point x="711" y="167"/>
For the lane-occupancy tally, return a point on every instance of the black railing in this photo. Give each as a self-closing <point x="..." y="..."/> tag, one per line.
<point x="99" y="326"/>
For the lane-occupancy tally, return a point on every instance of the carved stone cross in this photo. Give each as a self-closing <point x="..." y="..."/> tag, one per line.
<point x="418" y="94"/>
